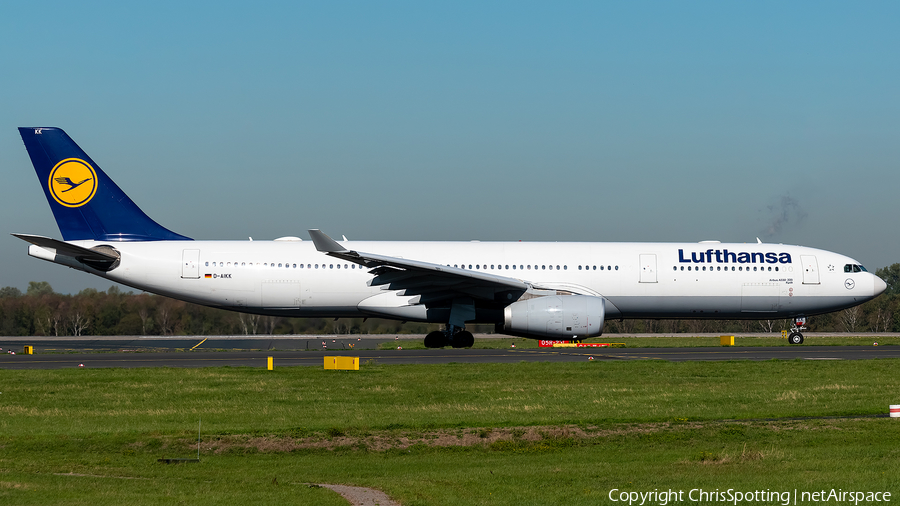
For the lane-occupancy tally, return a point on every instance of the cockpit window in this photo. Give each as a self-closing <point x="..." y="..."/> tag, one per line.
<point x="854" y="268"/>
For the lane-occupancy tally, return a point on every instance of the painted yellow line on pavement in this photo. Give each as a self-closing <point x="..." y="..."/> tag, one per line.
<point x="198" y="344"/>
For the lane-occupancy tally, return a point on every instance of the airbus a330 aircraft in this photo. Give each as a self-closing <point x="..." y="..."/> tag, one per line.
<point x="539" y="290"/>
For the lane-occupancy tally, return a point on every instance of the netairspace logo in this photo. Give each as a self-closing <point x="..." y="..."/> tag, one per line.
<point x="735" y="497"/>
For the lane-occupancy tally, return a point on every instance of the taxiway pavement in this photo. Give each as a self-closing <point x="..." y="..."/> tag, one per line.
<point x="308" y="351"/>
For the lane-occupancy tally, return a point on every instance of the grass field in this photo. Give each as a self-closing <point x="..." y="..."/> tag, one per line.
<point x="527" y="433"/>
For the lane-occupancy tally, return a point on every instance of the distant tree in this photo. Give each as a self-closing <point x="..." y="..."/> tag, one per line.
<point x="38" y="288"/>
<point x="891" y="276"/>
<point x="850" y="318"/>
<point x="10" y="292"/>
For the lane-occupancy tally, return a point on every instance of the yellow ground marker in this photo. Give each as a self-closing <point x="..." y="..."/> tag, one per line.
<point x="198" y="344"/>
<point x="343" y="363"/>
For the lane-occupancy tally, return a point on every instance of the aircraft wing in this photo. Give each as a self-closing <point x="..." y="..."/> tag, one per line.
<point x="430" y="282"/>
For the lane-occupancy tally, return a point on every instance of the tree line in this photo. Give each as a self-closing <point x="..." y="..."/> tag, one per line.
<point x="42" y="312"/>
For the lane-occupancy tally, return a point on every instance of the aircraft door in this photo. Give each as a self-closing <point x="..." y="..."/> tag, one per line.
<point x="190" y="264"/>
<point x="810" y="269"/>
<point x="648" y="268"/>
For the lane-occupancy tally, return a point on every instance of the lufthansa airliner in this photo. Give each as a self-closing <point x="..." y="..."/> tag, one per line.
<point x="556" y="290"/>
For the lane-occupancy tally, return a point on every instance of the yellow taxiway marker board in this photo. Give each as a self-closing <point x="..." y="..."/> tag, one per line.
<point x="342" y="363"/>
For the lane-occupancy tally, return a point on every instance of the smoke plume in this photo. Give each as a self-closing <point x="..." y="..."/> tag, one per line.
<point x="782" y="213"/>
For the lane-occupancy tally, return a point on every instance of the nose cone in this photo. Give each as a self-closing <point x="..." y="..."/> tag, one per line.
<point x="880" y="286"/>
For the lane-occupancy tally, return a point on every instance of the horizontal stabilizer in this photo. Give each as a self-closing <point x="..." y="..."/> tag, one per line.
<point x="69" y="250"/>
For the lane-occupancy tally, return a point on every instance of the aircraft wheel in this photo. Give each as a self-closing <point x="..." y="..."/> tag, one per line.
<point x="435" y="339"/>
<point x="463" y="339"/>
<point x="795" y="338"/>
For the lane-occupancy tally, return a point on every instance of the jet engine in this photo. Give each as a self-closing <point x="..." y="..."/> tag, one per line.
<point x="555" y="317"/>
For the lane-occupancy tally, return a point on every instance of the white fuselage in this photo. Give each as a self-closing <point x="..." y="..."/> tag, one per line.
<point x="637" y="280"/>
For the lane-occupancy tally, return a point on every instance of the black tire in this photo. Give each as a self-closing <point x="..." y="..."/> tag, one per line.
<point x="435" y="339"/>
<point x="795" y="338"/>
<point x="463" y="339"/>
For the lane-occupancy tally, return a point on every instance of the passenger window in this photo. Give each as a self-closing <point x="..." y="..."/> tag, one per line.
<point x="207" y="264"/>
<point x="682" y="267"/>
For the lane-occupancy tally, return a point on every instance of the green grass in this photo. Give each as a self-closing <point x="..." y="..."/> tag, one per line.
<point x="540" y="433"/>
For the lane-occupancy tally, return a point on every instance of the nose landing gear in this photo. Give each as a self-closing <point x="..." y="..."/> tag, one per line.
<point x="457" y="337"/>
<point x="796" y="337"/>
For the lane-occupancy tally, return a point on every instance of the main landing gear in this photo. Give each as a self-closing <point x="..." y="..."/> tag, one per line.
<point x="796" y="337"/>
<point x="453" y="336"/>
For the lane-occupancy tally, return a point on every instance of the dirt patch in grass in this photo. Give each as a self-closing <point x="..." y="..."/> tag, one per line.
<point x="385" y="440"/>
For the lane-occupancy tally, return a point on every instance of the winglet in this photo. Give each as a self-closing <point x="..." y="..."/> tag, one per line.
<point x="324" y="243"/>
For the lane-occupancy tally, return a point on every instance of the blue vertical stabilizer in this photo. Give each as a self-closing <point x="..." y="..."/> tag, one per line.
<point x="86" y="203"/>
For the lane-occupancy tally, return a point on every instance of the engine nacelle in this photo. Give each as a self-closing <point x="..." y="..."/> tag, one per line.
<point x="556" y="317"/>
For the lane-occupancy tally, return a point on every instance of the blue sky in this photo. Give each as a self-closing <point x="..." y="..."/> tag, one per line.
<point x="593" y="121"/>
